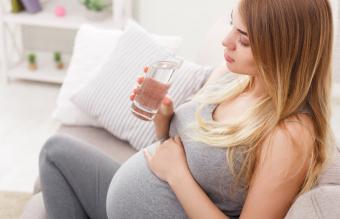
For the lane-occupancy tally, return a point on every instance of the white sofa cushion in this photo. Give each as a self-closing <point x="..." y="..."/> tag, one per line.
<point x="92" y="49"/>
<point x="331" y="176"/>
<point x="35" y="208"/>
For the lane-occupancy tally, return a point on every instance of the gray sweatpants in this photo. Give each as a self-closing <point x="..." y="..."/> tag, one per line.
<point x="75" y="178"/>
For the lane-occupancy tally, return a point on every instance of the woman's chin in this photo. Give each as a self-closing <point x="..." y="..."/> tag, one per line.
<point x="230" y="66"/>
<point x="232" y="69"/>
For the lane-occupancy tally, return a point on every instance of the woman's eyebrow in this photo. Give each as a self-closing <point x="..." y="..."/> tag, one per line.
<point x="242" y="32"/>
<point x="239" y="30"/>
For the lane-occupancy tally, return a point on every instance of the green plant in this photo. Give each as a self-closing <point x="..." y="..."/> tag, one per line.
<point x="57" y="57"/>
<point x="32" y="58"/>
<point x="95" y="5"/>
<point x="17" y="6"/>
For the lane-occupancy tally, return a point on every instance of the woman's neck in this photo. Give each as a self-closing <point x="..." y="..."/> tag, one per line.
<point x="255" y="89"/>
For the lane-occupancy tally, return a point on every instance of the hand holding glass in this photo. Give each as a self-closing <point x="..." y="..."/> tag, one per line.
<point x="153" y="89"/>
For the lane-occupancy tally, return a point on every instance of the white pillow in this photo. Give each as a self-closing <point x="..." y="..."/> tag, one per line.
<point x="106" y="97"/>
<point x="92" y="49"/>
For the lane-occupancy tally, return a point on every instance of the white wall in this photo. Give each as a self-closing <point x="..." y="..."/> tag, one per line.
<point x="190" y="19"/>
<point x="336" y="58"/>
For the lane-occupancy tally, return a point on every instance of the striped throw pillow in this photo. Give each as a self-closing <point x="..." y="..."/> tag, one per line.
<point x="106" y="96"/>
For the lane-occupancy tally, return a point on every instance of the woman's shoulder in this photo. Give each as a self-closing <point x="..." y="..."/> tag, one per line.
<point x="299" y="126"/>
<point x="294" y="138"/>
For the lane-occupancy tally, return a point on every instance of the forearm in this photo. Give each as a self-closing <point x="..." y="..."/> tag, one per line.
<point x="194" y="200"/>
<point x="162" y="130"/>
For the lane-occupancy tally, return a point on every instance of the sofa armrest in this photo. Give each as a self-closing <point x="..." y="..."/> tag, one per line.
<point x="34" y="209"/>
<point x="319" y="203"/>
<point x="37" y="186"/>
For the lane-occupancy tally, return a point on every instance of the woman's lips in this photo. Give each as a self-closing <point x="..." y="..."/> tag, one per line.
<point x="228" y="58"/>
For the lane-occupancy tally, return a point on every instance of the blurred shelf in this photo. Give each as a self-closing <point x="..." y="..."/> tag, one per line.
<point x="74" y="18"/>
<point x="45" y="72"/>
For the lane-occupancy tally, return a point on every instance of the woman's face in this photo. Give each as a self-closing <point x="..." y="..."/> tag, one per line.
<point x="237" y="52"/>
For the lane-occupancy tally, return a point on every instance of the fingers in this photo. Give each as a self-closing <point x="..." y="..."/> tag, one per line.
<point x="132" y="97"/>
<point x="140" y="80"/>
<point x="167" y="101"/>
<point x="134" y="93"/>
<point x="166" y="107"/>
<point x="136" y="90"/>
<point x="146" y="69"/>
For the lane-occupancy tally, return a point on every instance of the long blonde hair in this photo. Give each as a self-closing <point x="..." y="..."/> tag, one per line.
<point x="292" y="43"/>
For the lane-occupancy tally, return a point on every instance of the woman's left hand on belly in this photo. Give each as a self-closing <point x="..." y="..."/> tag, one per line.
<point x="169" y="162"/>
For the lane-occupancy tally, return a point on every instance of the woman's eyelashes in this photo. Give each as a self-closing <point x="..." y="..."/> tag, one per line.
<point x="243" y="41"/>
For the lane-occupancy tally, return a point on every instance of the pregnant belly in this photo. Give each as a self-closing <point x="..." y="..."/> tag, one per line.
<point x="135" y="192"/>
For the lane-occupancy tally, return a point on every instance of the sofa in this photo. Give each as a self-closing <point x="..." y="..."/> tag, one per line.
<point x="321" y="202"/>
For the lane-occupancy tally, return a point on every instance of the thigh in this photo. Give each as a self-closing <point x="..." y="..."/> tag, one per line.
<point x="87" y="170"/>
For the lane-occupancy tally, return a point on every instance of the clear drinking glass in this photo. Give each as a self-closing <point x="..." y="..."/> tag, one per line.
<point x="154" y="88"/>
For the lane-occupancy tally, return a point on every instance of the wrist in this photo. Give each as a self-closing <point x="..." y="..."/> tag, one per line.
<point x="179" y="178"/>
<point x="162" y="139"/>
<point x="162" y="131"/>
<point x="160" y="119"/>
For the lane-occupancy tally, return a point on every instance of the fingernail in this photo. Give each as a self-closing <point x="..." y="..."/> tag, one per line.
<point x="146" y="68"/>
<point x="166" y="101"/>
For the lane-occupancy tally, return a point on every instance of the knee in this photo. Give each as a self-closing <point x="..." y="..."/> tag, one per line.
<point x="53" y="147"/>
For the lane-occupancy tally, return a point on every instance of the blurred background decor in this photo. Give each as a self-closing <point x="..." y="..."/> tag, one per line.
<point x="32" y="6"/>
<point x="96" y="9"/>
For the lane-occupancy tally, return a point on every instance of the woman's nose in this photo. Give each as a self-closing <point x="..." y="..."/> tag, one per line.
<point x="229" y="42"/>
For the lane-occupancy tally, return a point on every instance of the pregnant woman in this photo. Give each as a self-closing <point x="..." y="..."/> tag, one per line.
<point x="245" y="146"/>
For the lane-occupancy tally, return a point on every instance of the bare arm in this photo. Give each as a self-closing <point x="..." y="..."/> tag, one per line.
<point x="280" y="172"/>
<point x="194" y="200"/>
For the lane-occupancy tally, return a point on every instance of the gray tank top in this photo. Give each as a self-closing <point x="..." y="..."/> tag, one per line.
<point x="208" y="164"/>
<point x="138" y="193"/>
